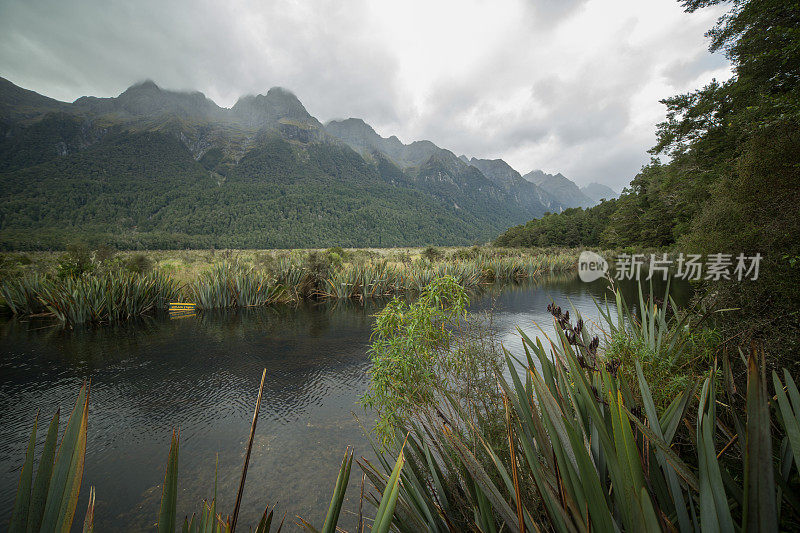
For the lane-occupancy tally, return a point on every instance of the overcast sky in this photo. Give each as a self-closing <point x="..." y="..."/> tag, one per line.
<point x="567" y="86"/>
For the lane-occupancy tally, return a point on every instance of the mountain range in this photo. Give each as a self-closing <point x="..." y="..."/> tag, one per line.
<point x="158" y="168"/>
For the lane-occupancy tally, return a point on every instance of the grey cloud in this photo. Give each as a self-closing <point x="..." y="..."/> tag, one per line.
<point x="580" y="111"/>
<point x="611" y="164"/>
<point x="679" y="73"/>
<point x="326" y="53"/>
<point x="100" y="48"/>
<point x="550" y="12"/>
<point x="586" y="118"/>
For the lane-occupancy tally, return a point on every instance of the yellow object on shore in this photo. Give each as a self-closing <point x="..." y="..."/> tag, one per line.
<point x="178" y="306"/>
<point x="182" y="310"/>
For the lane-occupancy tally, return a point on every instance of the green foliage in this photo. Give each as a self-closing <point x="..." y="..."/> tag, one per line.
<point x="401" y="256"/>
<point x="674" y="374"/>
<point x="431" y="254"/>
<point x="108" y="297"/>
<point x="230" y="284"/>
<point x="573" y="227"/>
<point x="673" y="347"/>
<point x="602" y="457"/>
<point x="464" y="254"/>
<point x="11" y="264"/>
<point x="104" y="253"/>
<point x="410" y="347"/>
<point x="338" y="250"/>
<point x="318" y="268"/>
<point x="336" y="256"/>
<point x="48" y="502"/>
<point x="76" y="262"/>
<point x="139" y="264"/>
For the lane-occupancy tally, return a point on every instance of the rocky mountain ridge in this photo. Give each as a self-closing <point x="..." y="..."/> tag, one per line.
<point x="267" y="141"/>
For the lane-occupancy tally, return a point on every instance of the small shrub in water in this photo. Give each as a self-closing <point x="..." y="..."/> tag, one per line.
<point x="318" y="266"/>
<point x="409" y="347"/>
<point x="335" y="259"/>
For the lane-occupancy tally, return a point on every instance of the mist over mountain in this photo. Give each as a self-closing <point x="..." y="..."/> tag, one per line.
<point x="598" y="191"/>
<point x="563" y="190"/>
<point x="160" y="168"/>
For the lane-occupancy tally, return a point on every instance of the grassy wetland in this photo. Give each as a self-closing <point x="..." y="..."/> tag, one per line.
<point x="82" y="285"/>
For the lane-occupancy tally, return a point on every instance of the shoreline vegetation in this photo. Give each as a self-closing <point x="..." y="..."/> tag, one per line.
<point x="573" y="437"/>
<point x="642" y="421"/>
<point x="82" y="286"/>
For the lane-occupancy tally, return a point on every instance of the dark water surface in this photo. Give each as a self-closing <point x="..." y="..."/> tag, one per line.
<point x="201" y="375"/>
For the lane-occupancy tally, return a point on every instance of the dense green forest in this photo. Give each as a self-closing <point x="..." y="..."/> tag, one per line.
<point x="725" y="172"/>
<point x="571" y="227"/>
<point x="152" y="168"/>
<point x="145" y="190"/>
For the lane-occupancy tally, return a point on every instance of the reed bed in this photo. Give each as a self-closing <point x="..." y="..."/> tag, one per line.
<point x="232" y="285"/>
<point x="22" y="294"/>
<point x="382" y="279"/>
<point x="107" y="295"/>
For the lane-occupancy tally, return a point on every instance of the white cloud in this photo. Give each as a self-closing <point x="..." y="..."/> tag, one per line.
<point x="569" y="86"/>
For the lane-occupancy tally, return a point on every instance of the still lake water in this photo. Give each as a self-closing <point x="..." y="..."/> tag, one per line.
<point x="201" y="375"/>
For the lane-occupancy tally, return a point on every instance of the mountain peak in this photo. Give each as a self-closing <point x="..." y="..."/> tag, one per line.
<point x="16" y="101"/>
<point x="497" y="170"/>
<point x="498" y="163"/>
<point x="540" y="176"/>
<point x="268" y="109"/>
<point x="361" y="137"/>
<point x="146" y="86"/>
<point x="561" y="188"/>
<point x="598" y="191"/>
<point x="351" y="124"/>
<point x="280" y="91"/>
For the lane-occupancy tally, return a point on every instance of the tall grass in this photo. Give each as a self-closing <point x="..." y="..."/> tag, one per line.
<point x="382" y="279"/>
<point x="575" y="445"/>
<point x="232" y="285"/>
<point x="22" y="294"/>
<point x="109" y="294"/>
<point x="107" y="297"/>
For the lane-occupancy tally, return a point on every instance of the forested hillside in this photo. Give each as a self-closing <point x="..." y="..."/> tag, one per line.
<point x="146" y="190"/>
<point x="152" y="168"/>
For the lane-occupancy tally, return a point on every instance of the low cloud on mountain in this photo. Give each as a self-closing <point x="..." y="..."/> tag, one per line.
<point x="568" y="87"/>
